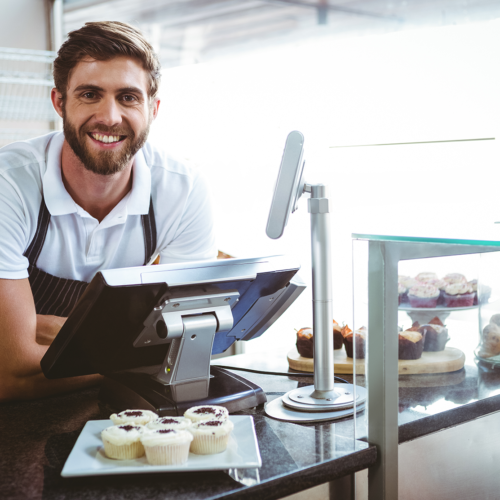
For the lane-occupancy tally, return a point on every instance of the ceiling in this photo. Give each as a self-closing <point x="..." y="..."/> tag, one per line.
<point x="191" y="31"/>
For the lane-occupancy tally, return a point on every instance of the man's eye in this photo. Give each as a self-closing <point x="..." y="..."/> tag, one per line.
<point x="129" y="98"/>
<point x="89" y="95"/>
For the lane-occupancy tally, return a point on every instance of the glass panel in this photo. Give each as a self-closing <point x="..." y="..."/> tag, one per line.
<point x="359" y="324"/>
<point x="438" y="334"/>
<point x="409" y="239"/>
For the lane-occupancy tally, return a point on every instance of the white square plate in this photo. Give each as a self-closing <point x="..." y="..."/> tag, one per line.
<point x="87" y="456"/>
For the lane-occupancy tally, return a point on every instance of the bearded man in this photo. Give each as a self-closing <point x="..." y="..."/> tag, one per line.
<point x="96" y="196"/>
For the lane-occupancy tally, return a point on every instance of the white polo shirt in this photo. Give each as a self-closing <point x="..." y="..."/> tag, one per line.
<point x="77" y="245"/>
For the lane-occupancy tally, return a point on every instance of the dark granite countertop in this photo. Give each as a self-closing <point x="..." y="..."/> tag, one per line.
<point x="427" y="403"/>
<point x="37" y="437"/>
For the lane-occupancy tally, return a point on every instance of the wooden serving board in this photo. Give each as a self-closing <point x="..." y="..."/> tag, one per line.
<point x="449" y="360"/>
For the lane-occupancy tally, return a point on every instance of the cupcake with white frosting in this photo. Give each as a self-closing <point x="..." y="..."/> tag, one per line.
<point x="423" y="295"/>
<point x="426" y="277"/>
<point x="404" y="284"/>
<point x="166" y="446"/>
<point x="134" y="417"/>
<point x="453" y="278"/>
<point x="176" y="423"/>
<point x="207" y="412"/>
<point x="459" y="295"/>
<point x="210" y="436"/>
<point x="123" y="442"/>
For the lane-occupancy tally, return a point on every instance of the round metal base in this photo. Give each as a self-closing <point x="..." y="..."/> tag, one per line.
<point x="340" y="398"/>
<point x="309" y="399"/>
<point x="276" y="409"/>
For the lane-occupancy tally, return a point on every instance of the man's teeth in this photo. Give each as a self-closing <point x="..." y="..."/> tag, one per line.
<point x="106" y="138"/>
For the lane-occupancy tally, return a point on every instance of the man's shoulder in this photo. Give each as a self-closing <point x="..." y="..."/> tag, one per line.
<point x="25" y="153"/>
<point x="158" y="159"/>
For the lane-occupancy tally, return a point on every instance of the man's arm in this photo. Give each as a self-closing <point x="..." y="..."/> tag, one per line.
<point x="24" y="338"/>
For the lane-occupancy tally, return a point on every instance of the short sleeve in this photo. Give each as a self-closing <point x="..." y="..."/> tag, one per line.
<point x="13" y="233"/>
<point x="195" y="235"/>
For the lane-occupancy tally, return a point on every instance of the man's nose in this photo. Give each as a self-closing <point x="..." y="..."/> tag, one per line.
<point x="108" y="112"/>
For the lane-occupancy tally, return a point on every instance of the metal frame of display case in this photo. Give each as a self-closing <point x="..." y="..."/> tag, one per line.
<point x="384" y="254"/>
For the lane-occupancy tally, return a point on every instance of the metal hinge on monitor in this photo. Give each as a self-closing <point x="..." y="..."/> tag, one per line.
<point x="190" y="325"/>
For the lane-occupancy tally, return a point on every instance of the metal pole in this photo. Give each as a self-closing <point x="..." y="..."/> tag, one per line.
<point x="382" y="370"/>
<point x="322" y="290"/>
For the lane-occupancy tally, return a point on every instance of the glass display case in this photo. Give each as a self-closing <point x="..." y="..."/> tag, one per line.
<point x="426" y="314"/>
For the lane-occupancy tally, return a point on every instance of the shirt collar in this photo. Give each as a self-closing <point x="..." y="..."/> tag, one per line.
<point x="60" y="202"/>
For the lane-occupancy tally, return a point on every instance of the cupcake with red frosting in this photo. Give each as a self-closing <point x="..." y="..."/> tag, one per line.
<point x="459" y="295"/>
<point x="423" y="295"/>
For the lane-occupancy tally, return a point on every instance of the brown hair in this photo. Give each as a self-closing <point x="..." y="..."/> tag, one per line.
<point x="102" y="41"/>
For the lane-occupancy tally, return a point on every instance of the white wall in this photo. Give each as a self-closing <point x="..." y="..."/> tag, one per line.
<point x="23" y="24"/>
<point x="232" y="118"/>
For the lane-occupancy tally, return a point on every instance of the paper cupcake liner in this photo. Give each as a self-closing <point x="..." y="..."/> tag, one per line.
<point x="209" y="444"/>
<point x="123" y="451"/>
<point x="462" y="300"/>
<point x="170" y="454"/>
<point x="423" y="301"/>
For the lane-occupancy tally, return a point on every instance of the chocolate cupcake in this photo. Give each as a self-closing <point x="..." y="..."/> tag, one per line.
<point x="338" y="338"/>
<point x="435" y="337"/>
<point x="411" y="344"/>
<point x="305" y="342"/>
<point x="358" y="338"/>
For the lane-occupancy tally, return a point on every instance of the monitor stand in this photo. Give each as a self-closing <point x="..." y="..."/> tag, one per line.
<point x="185" y="378"/>
<point x="130" y="390"/>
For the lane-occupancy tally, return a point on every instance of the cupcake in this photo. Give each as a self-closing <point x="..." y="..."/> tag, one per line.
<point x="458" y="295"/>
<point x="411" y="344"/>
<point x="200" y="413"/>
<point x="166" y="446"/>
<point x="134" y="417"/>
<point x="338" y="338"/>
<point x="440" y="285"/>
<point x="423" y="296"/>
<point x="435" y="337"/>
<point x="356" y="340"/>
<point x="177" y="423"/>
<point x="305" y="342"/>
<point x="454" y="278"/>
<point x="407" y="282"/>
<point x="473" y="286"/>
<point x="210" y="436"/>
<point x="122" y="442"/>
<point x="402" y="294"/>
<point x="426" y="277"/>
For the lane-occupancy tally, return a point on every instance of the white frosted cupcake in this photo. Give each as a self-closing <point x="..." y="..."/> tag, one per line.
<point x="210" y="436"/>
<point x="134" y="417"/>
<point x="166" y="446"/>
<point x="122" y="442"/>
<point x="177" y="423"/>
<point x="207" y="412"/>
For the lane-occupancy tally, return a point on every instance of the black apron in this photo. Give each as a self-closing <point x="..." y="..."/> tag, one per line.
<point x="57" y="296"/>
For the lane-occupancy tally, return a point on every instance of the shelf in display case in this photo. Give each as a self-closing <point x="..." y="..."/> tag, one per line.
<point x="438" y="309"/>
<point x="450" y="359"/>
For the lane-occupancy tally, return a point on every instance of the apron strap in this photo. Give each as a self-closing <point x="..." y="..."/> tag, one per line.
<point x="149" y="226"/>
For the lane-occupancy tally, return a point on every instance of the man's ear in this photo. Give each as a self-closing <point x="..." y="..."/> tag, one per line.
<point x="155" y="106"/>
<point x="57" y="101"/>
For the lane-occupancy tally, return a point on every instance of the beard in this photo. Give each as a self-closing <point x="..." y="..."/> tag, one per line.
<point x="104" y="162"/>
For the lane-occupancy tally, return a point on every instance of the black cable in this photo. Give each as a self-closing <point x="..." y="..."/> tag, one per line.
<point x="284" y="374"/>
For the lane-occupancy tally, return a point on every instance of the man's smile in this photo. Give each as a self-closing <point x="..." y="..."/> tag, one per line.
<point x="106" y="139"/>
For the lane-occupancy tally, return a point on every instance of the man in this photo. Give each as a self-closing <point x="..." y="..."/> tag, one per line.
<point x="97" y="196"/>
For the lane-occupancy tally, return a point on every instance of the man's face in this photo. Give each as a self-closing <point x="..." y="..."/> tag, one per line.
<point x="107" y="112"/>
